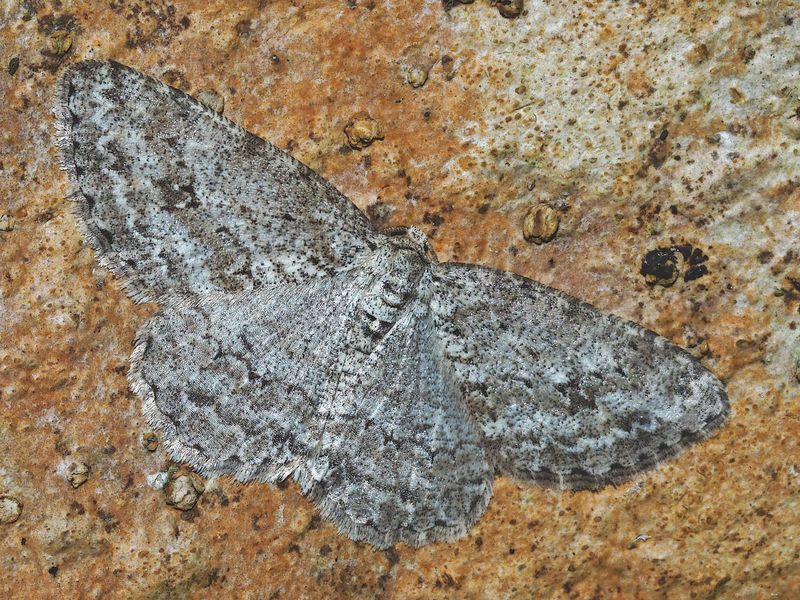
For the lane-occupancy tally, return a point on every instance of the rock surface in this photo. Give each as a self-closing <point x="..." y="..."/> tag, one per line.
<point x="658" y="124"/>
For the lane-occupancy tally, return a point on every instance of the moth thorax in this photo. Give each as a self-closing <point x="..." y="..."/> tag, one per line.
<point x="395" y="286"/>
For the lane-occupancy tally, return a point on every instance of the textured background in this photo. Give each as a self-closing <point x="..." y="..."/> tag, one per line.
<point x="643" y="124"/>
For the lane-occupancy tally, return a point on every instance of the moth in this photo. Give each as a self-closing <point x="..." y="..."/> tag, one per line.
<point x="295" y="340"/>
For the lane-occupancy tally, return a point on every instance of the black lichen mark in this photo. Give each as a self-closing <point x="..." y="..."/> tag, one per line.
<point x="448" y="4"/>
<point x="664" y="265"/>
<point x="660" y="266"/>
<point x="509" y="9"/>
<point x="150" y="24"/>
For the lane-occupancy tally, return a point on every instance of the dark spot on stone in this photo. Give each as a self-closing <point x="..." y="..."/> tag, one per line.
<point x="697" y="257"/>
<point x="447" y="580"/>
<point x="660" y="266"/>
<point x="432" y="219"/>
<point x="684" y="249"/>
<point x="695" y="272"/>
<point x="45" y="217"/>
<point x="448" y="4"/>
<point x="49" y="24"/>
<point x="392" y="556"/>
<point x="109" y="523"/>
<point x="243" y="28"/>
<point x="176" y="79"/>
<point x="141" y="17"/>
<point x="190" y="515"/>
<point x="61" y="447"/>
<point x="314" y="522"/>
<point x="765" y="257"/>
<point x="747" y="54"/>
<point x="657" y="154"/>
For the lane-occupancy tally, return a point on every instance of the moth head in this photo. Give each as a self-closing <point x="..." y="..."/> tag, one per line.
<point x="412" y="238"/>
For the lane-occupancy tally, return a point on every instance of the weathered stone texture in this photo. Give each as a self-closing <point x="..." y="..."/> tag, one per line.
<point x="645" y="125"/>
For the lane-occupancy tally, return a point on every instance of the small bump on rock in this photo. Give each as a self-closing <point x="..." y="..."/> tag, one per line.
<point x="149" y="441"/>
<point x="60" y="42"/>
<point x="541" y="224"/>
<point x="183" y="490"/>
<point x="361" y="130"/>
<point x="509" y="9"/>
<point x="416" y="75"/>
<point x="10" y="509"/>
<point x="78" y="474"/>
<point x="7" y="223"/>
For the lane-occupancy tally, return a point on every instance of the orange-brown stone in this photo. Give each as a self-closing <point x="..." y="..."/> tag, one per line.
<point x="569" y="99"/>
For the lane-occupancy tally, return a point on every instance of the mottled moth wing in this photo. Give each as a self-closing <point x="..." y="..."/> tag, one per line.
<point x="235" y="381"/>
<point x="562" y="393"/>
<point x="177" y="199"/>
<point x="295" y="340"/>
<point x="399" y="461"/>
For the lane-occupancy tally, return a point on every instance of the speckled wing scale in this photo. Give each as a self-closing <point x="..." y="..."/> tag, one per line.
<point x="295" y="341"/>
<point x="563" y="394"/>
<point x="176" y="199"/>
